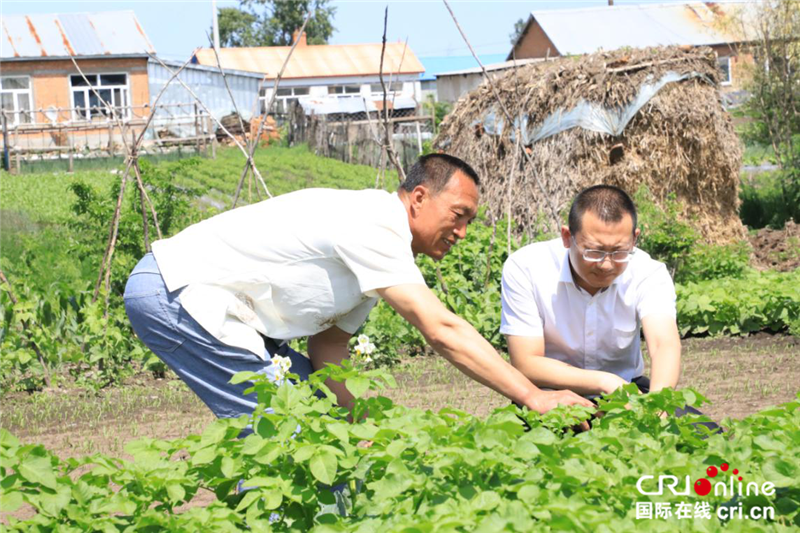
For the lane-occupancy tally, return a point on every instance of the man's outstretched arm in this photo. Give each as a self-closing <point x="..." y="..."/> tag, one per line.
<point x="457" y="341"/>
<point x="527" y="355"/>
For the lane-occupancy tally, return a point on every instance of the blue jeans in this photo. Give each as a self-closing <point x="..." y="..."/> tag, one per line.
<point x="205" y="364"/>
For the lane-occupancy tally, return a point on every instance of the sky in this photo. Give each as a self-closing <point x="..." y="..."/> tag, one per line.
<point x="176" y="27"/>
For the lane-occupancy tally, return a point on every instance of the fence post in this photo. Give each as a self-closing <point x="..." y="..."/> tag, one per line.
<point x="419" y="138"/>
<point x="6" y="161"/>
<point x="196" y="130"/>
<point x="110" y="139"/>
<point x="213" y="139"/>
<point x="71" y="149"/>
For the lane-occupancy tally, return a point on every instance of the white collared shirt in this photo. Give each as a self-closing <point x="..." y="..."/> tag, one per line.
<point x="291" y="266"/>
<point x="600" y="332"/>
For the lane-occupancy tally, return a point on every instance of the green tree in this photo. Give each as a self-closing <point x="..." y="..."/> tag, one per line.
<point x="236" y="27"/>
<point x="272" y="22"/>
<point x="771" y="34"/>
<point x="519" y="27"/>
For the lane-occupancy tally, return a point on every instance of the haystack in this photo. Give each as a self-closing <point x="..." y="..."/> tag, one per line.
<point x="680" y="141"/>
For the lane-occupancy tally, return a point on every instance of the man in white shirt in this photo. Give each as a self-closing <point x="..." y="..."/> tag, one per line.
<point x="573" y="306"/>
<point x="226" y="294"/>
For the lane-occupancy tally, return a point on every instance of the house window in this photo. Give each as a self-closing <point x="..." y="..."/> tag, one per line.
<point x="724" y="64"/>
<point x="15" y="93"/>
<point x="394" y="87"/>
<point x="344" y="89"/>
<point x="284" y="99"/>
<point x="89" y="95"/>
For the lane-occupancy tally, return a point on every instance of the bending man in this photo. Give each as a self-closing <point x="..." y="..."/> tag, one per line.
<point x="226" y="294"/>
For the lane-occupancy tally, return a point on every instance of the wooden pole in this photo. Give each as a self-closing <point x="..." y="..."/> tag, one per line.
<point x="6" y="161"/>
<point x="213" y="140"/>
<point x="110" y="140"/>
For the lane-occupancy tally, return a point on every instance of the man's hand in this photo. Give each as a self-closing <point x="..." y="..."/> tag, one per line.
<point x="543" y="401"/>
<point x="458" y="342"/>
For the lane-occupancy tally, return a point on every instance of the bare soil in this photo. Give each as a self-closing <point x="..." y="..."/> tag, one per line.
<point x="777" y="249"/>
<point x="739" y="375"/>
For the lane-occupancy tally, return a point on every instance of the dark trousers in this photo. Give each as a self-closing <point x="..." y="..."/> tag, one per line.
<point x="643" y="382"/>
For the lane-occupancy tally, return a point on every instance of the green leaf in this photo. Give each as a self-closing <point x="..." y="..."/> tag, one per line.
<point x="339" y="430"/>
<point x="780" y="472"/>
<point x="176" y="492"/>
<point x="204" y="455"/>
<point x="357" y="385"/>
<point x="304" y="453"/>
<point x="38" y="470"/>
<point x="241" y="377"/>
<point x="11" y="501"/>
<point x="249" y="498"/>
<point x="323" y="466"/>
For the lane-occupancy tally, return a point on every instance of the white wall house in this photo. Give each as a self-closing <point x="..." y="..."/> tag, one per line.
<point x="328" y="78"/>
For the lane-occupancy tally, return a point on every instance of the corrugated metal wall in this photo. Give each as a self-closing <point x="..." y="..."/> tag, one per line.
<point x="208" y="85"/>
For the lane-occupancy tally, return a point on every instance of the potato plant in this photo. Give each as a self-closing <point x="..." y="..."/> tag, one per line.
<point x="304" y="465"/>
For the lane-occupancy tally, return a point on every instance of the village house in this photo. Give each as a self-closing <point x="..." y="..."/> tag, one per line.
<point x="329" y="79"/>
<point x="40" y="84"/>
<point x="563" y="32"/>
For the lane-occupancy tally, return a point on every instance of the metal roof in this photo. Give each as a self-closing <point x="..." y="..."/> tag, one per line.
<point x="503" y="65"/>
<point x="113" y="33"/>
<point x="316" y="61"/>
<point x="439" y="64"/>
<point x="587" y="30"/>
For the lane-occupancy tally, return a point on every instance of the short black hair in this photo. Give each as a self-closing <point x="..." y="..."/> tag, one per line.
<point x="609" y="203"/>
<point x="435" y="171"/>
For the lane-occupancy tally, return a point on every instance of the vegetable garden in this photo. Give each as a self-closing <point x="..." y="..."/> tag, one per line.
<point x="396" y="468"/>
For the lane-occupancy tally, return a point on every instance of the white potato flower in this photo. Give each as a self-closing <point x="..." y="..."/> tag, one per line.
<point x="284" y="364"/>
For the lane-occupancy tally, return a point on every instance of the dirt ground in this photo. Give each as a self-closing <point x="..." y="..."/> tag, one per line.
<point x="739" y="375"/>
<point x="777" y="249"/>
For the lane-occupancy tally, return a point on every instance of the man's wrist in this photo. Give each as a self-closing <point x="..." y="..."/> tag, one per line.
<point x="609" y="382"/>
<point x="531" y="399"/>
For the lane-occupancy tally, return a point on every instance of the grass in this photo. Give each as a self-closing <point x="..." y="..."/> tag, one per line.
<point x="35" y="208"/>
<point x="30" y="199"/>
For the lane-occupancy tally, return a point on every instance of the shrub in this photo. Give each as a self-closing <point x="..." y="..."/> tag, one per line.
<point x="767" y="201"/>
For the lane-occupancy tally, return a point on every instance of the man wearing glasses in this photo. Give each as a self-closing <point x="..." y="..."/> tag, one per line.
<point x="573" y="306"/>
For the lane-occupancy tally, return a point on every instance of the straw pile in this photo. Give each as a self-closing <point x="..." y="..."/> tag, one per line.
<point x="681" y="142"/>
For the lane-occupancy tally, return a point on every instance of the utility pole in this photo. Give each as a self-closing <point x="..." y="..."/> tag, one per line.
<point x="215" y="23"/>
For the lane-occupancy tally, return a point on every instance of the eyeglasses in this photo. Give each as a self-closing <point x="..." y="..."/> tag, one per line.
<point x="598" y="256"/>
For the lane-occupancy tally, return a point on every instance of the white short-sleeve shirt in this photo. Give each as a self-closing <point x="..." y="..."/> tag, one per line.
<point x="291" y="266"/>
<point x="600" y="332"/>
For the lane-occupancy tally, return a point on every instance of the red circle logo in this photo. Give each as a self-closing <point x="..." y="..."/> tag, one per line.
<point x="702" y="487"/>
<point x="711" y="471"/>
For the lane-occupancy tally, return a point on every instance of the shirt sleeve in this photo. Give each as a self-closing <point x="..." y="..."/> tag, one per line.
<point x="355" y="318"/>
<point x="379" y="257"/>
<point x="520" y="315"/>
<point x="656" y="294"/>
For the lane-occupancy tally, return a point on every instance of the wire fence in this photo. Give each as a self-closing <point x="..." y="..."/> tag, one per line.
<point x="70" y="138"/>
